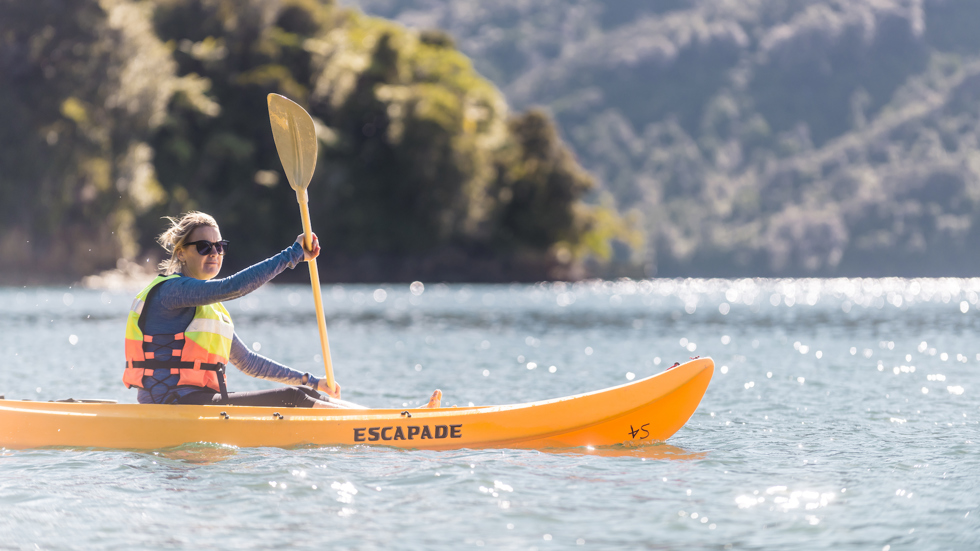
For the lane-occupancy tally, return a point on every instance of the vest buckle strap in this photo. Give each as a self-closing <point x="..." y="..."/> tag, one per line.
<point x="222" y="386"/>
<point x="171" y="364"/>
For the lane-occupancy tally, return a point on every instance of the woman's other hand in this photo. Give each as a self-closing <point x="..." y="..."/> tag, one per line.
<point x="309" y="254"/>
<point x="323" y="387"/>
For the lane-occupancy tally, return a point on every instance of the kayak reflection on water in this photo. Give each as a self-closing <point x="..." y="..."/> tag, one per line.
<point x="199" y="453"/>
<point x="652" y="451"/>
<point x="207" y="454"/>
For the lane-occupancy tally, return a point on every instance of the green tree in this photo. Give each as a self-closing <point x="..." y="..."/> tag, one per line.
<point x="413" y="140"/>
<point x="118" y="112"/>
<point x="85" y="83"/>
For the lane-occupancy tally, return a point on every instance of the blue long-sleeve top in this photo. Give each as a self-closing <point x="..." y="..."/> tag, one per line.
<point x="171" y="309"/>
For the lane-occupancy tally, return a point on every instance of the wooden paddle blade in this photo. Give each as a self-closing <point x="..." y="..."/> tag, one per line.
<point x="295" y="135"/>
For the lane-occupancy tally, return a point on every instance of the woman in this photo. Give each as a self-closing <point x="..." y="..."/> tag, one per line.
<point x="179" y="336"/>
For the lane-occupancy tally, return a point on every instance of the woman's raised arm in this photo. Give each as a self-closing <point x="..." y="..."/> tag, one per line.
<point x="187" y="292"/>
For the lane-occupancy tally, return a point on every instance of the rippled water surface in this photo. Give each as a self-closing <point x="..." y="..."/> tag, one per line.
<point x="843" y="414"/>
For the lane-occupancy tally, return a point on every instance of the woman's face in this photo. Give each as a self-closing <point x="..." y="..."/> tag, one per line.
<point x="196" y="265"/>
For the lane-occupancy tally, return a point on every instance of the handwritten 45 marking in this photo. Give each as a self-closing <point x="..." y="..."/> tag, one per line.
<point x="643" y="428"/>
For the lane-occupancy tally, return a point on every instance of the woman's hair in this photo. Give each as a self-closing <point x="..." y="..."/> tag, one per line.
<point x="176" y="235"/>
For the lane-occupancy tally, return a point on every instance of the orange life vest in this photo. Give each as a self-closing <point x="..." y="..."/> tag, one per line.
<point x="198" y="353"/>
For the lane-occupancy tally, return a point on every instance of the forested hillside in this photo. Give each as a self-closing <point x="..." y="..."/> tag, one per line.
<point x="118" y="112"/>
<point x="784" y="137"/>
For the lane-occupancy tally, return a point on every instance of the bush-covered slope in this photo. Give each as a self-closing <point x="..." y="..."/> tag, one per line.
<point x="119" y="112"/>
<point x="757" y="136"/>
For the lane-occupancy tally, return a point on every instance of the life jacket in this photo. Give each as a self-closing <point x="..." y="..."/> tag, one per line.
<point x="198" y="353"/>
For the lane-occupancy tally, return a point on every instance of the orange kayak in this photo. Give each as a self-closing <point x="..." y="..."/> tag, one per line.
<point x="648" y="410"/>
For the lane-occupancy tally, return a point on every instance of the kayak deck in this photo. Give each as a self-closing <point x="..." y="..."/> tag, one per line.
<point x="648" y="410"/>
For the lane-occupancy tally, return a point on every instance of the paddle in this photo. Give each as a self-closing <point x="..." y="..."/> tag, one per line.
<point x="295" y="135"/>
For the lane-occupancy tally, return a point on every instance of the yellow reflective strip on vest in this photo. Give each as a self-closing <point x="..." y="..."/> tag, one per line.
<point x="132" y="328"/>
<point x="214" y="326"/>
<point x="137" y="306"/>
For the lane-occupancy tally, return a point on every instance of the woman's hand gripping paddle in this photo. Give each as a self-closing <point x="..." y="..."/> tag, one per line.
<point x="295" y="135"/>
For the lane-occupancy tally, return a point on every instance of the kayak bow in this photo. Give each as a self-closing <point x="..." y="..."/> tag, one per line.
<point x="648" y="410"/>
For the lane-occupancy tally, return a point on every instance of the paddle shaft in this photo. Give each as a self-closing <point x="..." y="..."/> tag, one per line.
<point x="303" y="199"/>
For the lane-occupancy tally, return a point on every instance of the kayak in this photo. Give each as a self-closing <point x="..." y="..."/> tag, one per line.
<point x="644" y="411"/>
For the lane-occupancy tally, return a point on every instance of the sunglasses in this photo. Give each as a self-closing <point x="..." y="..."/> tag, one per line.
<point x="204" y="247"/>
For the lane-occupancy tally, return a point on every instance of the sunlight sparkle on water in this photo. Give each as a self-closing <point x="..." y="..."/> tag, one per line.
<point x="785" y="500"/>
<point x="900" y="360"/>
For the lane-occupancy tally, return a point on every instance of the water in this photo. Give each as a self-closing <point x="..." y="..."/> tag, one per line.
<point x="843" y="414"/>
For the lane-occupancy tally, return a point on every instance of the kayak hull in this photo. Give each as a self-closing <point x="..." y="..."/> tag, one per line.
<point x="648" y="410"/>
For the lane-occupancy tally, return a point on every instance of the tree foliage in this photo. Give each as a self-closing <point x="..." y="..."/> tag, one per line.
<point x="121" y="112"/>
<point x="85" y="84"/>
<point x="757" y="137"/>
